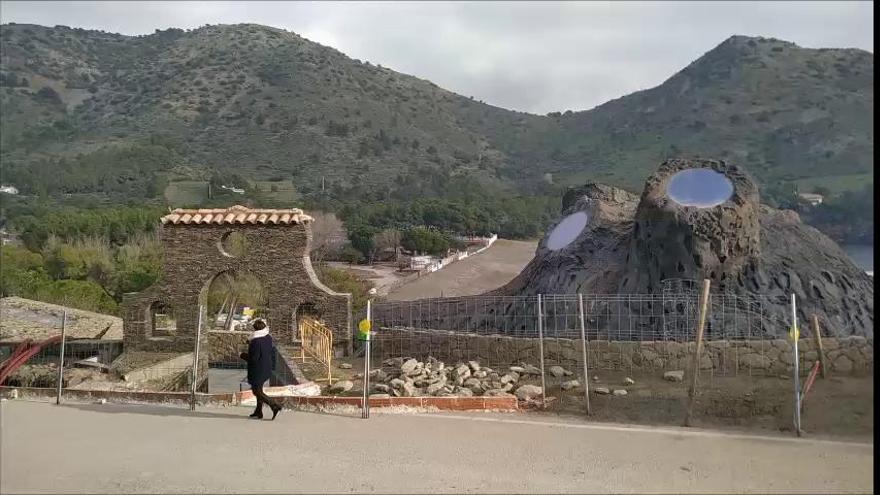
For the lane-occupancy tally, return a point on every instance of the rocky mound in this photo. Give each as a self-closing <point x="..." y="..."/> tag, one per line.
<point x="634" y="246"/>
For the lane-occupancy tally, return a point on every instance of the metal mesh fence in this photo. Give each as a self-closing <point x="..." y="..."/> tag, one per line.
<point x="568" y="341"/>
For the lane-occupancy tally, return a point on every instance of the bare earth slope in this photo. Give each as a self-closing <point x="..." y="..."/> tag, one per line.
<point x="474" y="275"/>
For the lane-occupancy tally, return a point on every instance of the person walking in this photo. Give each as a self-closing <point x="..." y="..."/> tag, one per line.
<point x="260" y="359"/>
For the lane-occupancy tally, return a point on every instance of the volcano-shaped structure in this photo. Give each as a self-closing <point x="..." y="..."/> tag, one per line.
<point x="698" y="219"/>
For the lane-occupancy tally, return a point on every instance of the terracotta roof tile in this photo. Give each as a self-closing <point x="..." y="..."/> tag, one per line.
<point x="236" y="215"/>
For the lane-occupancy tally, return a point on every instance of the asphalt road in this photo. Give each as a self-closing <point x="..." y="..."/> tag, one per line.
<point x="134" y="449"/>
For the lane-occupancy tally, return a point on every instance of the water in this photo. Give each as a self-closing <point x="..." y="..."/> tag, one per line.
<point x="861" y="254"/>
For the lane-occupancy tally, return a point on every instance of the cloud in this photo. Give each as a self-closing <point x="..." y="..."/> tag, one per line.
<point x="528" y="56"/>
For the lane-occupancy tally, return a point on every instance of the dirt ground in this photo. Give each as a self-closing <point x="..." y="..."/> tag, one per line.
<point x="24" y="318"/>
<point x="838" y="406"/>
<point x="474" y="275"/>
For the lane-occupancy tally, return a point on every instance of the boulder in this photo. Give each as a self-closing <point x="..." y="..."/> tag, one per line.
<point x="434" y="388"/>
<point x="408" y="390"/>
<point x="475" y="366"/>
<point x="397" y="383"/>
<point x="619" y="392"/>
<point x="528" y="392"/>
<point x="531" y="370"/>
<point x="382" y="388"/>
<point x="601" y="390"/>
<point x="674" y="376"/>
<point x="345" y="366"/>
<point x="508" y="378"/>
<point x="378" y="375"/>
<point x="557" y="371"/>
<point x="471" y="383"/>
<point x="341" y="386"/>
<point x="518" y="369"/>
<point x="570" y="384"/>
<point x="462" y="371"/>
<point x="480" y="374"/>
<point x="628" y="381"/>
<point x="409" y="366"/>
<point x="464" y="392"/>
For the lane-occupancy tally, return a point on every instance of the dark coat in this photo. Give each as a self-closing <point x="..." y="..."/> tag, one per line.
<point x="260" y="360"/>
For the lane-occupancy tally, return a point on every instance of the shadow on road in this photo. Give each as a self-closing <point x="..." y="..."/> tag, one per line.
<point x="153" y="411"/>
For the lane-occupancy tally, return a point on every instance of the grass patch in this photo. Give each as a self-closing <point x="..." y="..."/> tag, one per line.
<point x="186" y="192"/>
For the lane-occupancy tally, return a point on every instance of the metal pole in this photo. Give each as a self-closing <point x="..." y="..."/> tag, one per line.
<point x="61" y="357"/>
<point x="195" y="372"/>
<point x="365" y="410"/>
<point x="541" y="350"/>
<point x="797" y="387"/>
<point x="584" y="352"/>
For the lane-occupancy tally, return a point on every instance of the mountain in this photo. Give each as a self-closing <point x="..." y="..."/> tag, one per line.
<point x="130" y="117"/>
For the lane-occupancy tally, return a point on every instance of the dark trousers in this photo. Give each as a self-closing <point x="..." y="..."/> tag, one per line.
<point x="262" y="398"/>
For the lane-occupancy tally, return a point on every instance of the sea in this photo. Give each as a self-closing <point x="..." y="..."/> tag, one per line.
<point x="862" y="255"/>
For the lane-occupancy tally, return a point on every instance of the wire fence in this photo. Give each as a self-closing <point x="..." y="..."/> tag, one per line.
<point x="573" y="347"/>
<point x="570" y="347"/>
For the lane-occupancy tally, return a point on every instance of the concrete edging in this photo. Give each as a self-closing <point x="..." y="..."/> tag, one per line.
<point x="235" y="398"/>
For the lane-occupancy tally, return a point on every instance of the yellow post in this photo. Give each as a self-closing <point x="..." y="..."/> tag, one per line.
<point x="817" y="336"/>
<point x="701" y="324"/>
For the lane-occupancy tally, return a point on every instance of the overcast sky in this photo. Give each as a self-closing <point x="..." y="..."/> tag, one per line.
<point x="536" y="57"/>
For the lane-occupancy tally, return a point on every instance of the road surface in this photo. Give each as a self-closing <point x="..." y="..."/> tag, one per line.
<point x="136" y="449"/>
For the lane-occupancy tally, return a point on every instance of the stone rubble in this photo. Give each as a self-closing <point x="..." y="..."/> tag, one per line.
<point x="408" y="377"/>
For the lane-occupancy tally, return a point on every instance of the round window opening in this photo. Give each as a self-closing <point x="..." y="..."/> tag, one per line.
<point x="233" y="244"/>
<point x="567" y="230"/>
<point x="699" y="187"/>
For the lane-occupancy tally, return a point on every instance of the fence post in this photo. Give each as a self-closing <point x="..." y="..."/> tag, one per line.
<point x="61" y="357"/>
<point x="797" y="386"/>
<point x="817" y="336"/>
<point x="195" y="372"/>
<point x="585" y="353"/>
<point x="541" y="350"/>
<point x="701" y="323"/>
<point x="365" y="409"/>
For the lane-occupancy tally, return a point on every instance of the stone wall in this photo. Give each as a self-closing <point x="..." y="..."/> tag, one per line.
<point x="226" y="347"/>
<point x="277" y="255"/>
<point x="844" y="355"/>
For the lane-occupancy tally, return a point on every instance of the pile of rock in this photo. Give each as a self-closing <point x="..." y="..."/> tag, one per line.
<point x="407" y="377"/>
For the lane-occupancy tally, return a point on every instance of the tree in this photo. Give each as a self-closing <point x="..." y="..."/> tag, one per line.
<point x="425" y="240"/>
<point x="388" y="239"/>
<point x="327" y="229"/>
<point x="361" y="238"/>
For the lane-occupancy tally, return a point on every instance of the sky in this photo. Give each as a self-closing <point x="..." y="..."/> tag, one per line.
<point x="535" y="57"/>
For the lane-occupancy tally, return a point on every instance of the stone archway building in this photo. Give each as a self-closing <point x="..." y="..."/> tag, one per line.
<point x="277" y="253"/>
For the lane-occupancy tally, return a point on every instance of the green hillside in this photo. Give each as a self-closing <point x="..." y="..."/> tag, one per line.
<point x="149" y="118"/>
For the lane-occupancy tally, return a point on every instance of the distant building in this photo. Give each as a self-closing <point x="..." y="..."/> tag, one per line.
<point x="811" y="198"/>
<point x="236" y="190"/>
<point x="9" y="189"/>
